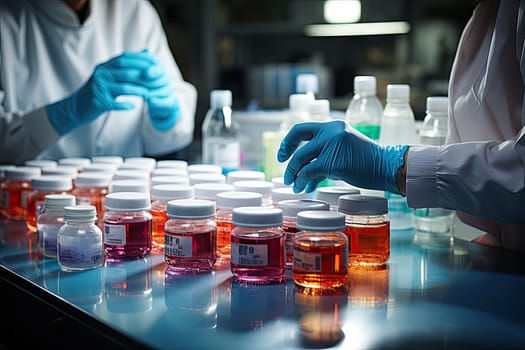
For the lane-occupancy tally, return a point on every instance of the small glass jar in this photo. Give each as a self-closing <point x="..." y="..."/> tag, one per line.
<point x="225" y="203"/>
<point x="15" y="189"/>
<point x="79" y="240"/>
<point x="368" y="229"/>
<point x="160" y="196"/>
<point x="50" y="221"/>
<point x="127" y="225"/>
<point x="91" y="189"/>
<point x="331" y="194"/>
<point x="320" y="250"/>
<point x="290" y="210"/>
<point x="42" y="186"/>
<point x="190" y="236"/>
<point x="257" y="244"/>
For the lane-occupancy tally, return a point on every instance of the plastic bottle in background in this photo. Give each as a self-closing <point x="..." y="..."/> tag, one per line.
<point x="434" y="132"/>
<point x="220" y="144"/>
<point x="298" y="111"/>
<point x="364" y="110"/>
<point x="398" y="126"/>
<point x="307" y="83"/>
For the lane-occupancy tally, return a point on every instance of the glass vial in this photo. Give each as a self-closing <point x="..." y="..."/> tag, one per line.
<point x="91" y="189"/>
<point x="364" y="110"/>
<point x="320" y="250"/>
<point x="190" y="236"/>
<point x="127" y="225"/>
<point x="79" y="240"/>
<point x="50" y="221"/>
<point x="161" y="195"/>
<point x="15" y="189"/>
<point x="290" y="209"/>
<point x="225" y="203"/>
<point x="257" y="244"/>
<point x="368" y="229"/>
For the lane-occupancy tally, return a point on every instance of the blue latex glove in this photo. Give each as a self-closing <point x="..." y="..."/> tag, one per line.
<point x="338" y="152"/>
<point x="132" y="73"/>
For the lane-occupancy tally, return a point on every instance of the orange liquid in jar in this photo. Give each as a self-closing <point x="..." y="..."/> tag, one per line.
<point x="320" y="262"/>
<point x="369" y="244"/>
<point x="15" y="200"/>
<point x="157" y="234"/>
<point x="224" y="233"/>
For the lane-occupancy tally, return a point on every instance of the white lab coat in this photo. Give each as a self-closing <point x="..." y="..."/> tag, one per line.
<point x="46" y="54"/>
<point x="481" y="170"/>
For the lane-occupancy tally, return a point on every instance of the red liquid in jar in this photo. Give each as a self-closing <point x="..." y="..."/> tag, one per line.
<point x="190" y="251"/>
<point x="289" y="232"/>
<point x="138" y="238"/>
<point x="369" y="244"/>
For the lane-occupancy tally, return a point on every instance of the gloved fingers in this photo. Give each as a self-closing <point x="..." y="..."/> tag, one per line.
<point x="300" y="132"/>
<point x="301" y="158"/>
<point x="163" y="102"/>
<point x="312" y="185"/>
<point x="118" y="89"/>
<point x="164" y="119"/>
<point x="121" y="106"/>
<point x="135" y="60"/>
<point x="163" y="92"/>
<point x="310" y="172"/>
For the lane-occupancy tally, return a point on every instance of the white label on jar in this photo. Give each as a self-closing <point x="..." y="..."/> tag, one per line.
<point x="306" y="261"/>
<point x="178" y="246"/>
<point x="79" y="257"/>
<point x="249" y="254"/>
<point x="114" y="234"/>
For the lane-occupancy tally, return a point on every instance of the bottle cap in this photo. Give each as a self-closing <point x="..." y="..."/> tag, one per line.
<point x="319" y="109"/>
<point x="127" y="201"/>
<point x="325" y="221"/>
<point x="235" y="199"/>
<point x="398" y="92"/>
<point x="204" y="168"/>
<point x="117" y="160"/>
<point x="41" y="163"/>
<point x="220" y="98"/>
<point x="96" y="179"/>
<point x="173" y="163"/>
<point x="200" y="178"/>
<point x="262" y="187"/>
<point x="299" y="102"/>
<point x="257" y="217"/>
<point x="331" y="194"/>
<point x="209" y="191"/>
<point x="287" y="193"/>
<point x="241" y="175"/>
<point x="151" y="162"/>
<point x="72" y="171"/>
<point x="100" y="168"/>
<point x="437" y="104"/>
<point x="278" y="182"/>
<point x="171" y="192"/>
<point x="51" y="183"/>
<point x="190" y="209"/>
<point x="365" y="85"/>
<point x="169" y="172"/>
<point x="356" y="204"/>
<point x="80" y="213"/>
<point x="136" y="165"/>
<point x="131" y="175"/>
<point x="3" y="168"/>
<point x="22" y="173"/>
<point x="58" y="201"/>
<point x="291" y="207"/>
<point x="79" y="162"/>
<point x="160" y="180"/>
<point x="307" y="83"/>
<point x="128" y="186"/>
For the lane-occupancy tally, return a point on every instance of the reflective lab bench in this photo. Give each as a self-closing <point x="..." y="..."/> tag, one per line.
<point x="432" y="295"/>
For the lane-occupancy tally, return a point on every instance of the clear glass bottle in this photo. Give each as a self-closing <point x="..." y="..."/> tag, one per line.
<point x="79" y="240"/>
<point x="127" y="225"/>
<point x="433" y="132"/>
<point x="320" y="250"/>
<point x="15" y="189"/>
<point x="331" y="194"/>
<point x="225" y="203"/>
<point x="160" y="196"/>
<point x="398" y="127"/>
<point x="91" y="189"/>
<point x="290" y="210"/>
<point x="364" y="110"/>
<point x="257" y="244"/>
<point x="190" y="236"/>
<point x="220" y="144"/>
<point x="50" y="221"/>
<point x="42" y="186"/>
<point x="367" y="228"/>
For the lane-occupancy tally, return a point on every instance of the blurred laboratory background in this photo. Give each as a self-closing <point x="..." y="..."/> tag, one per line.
<point x="256" y="49"/>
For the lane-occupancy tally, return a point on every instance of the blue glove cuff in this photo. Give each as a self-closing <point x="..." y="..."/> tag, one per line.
<point x="61" y="114"/>
<point x="393" y="159"/>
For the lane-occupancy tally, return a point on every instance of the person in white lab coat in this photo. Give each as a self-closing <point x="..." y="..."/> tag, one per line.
<point x="87" y="78"/>
<point x="480" y="173"/>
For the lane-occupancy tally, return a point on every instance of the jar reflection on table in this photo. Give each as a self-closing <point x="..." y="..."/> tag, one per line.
<point x="127" y="286"/>
<point x="368" y="287"/>
<point x="321" y="316"/>
<point x="191" y="301"/>
<point x="82" y="288"/>
<point x="250" y="307"/>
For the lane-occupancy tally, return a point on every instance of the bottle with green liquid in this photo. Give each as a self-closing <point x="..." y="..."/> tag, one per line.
<point x="364" y="110"/>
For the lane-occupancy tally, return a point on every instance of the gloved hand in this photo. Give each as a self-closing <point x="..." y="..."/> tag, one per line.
<point x="339" y="152"/>
<point x="132" y="73"/>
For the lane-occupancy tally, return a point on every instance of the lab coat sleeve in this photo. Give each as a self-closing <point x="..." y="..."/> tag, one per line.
<point x="484" y="179"/>
<point x="24" y="135"/>
<point x="157" y="142"/>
